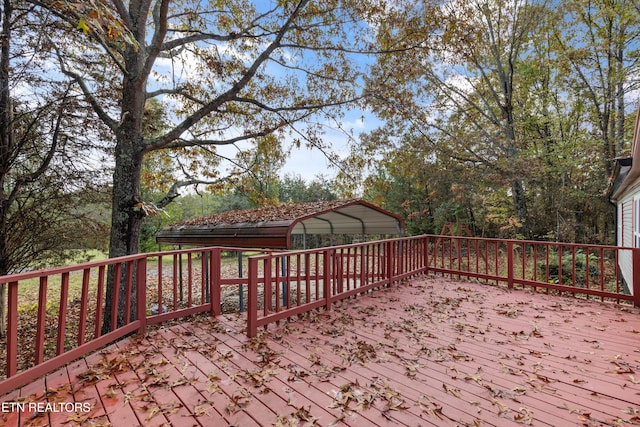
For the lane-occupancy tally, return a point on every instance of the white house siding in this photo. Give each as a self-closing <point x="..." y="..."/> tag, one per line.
<point x="627" y="212"/>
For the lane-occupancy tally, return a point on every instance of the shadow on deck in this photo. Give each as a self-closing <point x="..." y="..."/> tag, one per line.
<point x="428" y="351"/>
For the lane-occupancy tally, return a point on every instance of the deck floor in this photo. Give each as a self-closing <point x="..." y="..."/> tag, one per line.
<point x="430" y="351"/>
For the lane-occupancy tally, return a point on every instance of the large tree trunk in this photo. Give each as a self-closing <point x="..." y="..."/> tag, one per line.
<point x="126" y="224"/>
<point x="127" y="215"/>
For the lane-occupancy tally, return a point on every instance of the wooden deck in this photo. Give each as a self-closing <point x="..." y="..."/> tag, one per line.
<point x="429" y="351"/>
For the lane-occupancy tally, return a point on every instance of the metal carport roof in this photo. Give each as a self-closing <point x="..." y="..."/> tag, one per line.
<point x="272" y="227"/>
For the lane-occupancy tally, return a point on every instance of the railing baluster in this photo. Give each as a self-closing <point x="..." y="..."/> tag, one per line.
<point x="277" y="288"/>
<point x="62" y="313"/>
<point x="141" y="294"/>
<point x="176" y="260"/>
<point x="310" y="282"/>
<point x="41" y="320"/>
<point x="128" y="294"/>
<point x="160" y="301"/>
<point x="298" y="280"/>
<point x="116" y="295"/>
<point x="12" y="328"/>
<point x="99" y="297"/>
<point x="328" y="261"/>
<point x="189" y="279"/>
<point x="267" y="285"/>
<point x="252" y="309"/>
<point x="82" y="327"/>
<point x="203" y="277"/>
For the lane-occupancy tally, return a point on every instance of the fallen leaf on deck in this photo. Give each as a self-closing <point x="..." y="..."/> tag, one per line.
<point x="238" y="401"/>
<point x="454" y="391"/>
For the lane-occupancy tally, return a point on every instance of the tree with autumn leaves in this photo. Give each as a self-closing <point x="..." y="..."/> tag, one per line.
<point x="48" y="192"/>
<point x="228" y="72"/>
<point x="522" y="104"/>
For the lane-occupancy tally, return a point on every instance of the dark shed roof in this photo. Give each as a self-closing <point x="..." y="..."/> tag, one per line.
<point x="272" y="227"/>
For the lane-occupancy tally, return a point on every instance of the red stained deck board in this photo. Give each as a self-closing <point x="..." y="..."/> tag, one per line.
<point x="325" y="390"/>
<point x="59" y="391"/>
<point x="475" y="354"/>
<point x="86" y="395"/>
<point x="488" y="362"/>
<point x="211" y="361"/>
<point x="112" y="399"/>
<point x="276" y="393"/>
<point x="200" y="403"/>
<point x="293" y="396"/>
<point x="34" y="392"/>
<point x="136" y="385"/>
<point x="421" y="393"/>
<point x="351" y="374"/>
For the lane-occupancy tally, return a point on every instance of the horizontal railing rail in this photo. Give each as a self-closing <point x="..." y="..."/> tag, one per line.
<point x="55" y="316"/>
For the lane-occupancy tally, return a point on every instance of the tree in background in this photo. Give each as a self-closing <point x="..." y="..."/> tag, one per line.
<point x="45" y="189"/>
<point x="295" y="189"/>
<point x="468" y="75"/>
<point x="600" y="56"/>
<point x="527" y="99"/>
<point x="259" y="171"/>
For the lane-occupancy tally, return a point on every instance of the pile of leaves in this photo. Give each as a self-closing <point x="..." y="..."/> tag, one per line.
<point x="282" y="212"/>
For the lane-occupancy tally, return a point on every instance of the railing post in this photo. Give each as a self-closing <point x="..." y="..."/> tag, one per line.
<point x="390" y="260"/>
<point x="338" y="263"/>
<point x="240" y="286"/>
<point x="268" y="290"/>
<point x="327" y="262"/>
<point x="425" y="257"/>
<point x="62" y="313"/>
<point x="510" y="264"/>
<point x="214" y="281"/>
<point x="252" y="309"/>
<point x="141" y="294"/>
<point x="635" y="286"/>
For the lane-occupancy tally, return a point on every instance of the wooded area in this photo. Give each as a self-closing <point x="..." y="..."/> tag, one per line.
<point x="504" y="115"/>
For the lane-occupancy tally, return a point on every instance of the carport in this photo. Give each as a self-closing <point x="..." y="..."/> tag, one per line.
<point x="273" y="227"/>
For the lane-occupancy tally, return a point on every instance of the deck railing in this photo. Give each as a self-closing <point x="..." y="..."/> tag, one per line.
<point x="55" y="316"/>
<point x="298" y="282"/>
<point x="282" y="285"/>
<point x="587" y="271"/>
